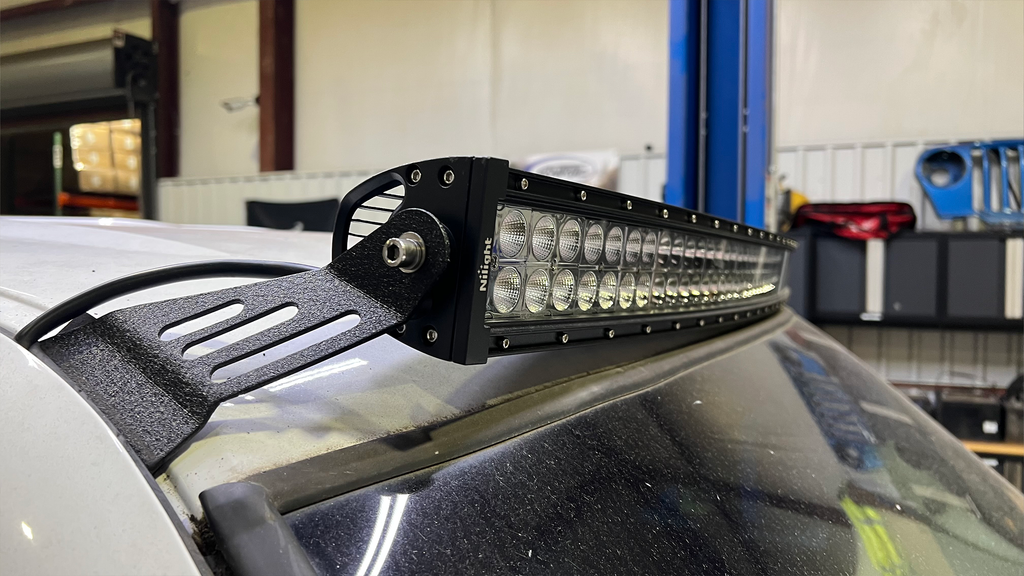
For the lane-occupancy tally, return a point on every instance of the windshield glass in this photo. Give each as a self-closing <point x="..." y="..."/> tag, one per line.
<point x="785" y="457"/>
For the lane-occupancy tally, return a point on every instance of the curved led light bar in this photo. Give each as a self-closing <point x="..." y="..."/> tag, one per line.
<point x="544" y="262"/>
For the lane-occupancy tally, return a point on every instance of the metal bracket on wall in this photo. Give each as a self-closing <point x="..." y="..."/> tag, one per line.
<point x="158" y="395"/>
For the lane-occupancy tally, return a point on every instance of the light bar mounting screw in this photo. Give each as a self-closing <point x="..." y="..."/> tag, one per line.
<point x="524" y="184"/>
<point x="679" y="325"/>
<point x="582" y="195"/>
<point x="431" y="335"/>
<point x="609" y="333"/>
<point x="407" y="252"/>
<point x="448" y="177"/>
<point x="693" y="218"/>
<point x="716" y="223"/>
<point x="629" y="204"/>
<point x="647" y="328"/>
<point x="505" y="343"/>
<point x="563" y="338"/>
<point x="415" y="175"/>
<point x="401" y="329"/>
<point x="664" y="213"/>
<point x="701" y="322"/>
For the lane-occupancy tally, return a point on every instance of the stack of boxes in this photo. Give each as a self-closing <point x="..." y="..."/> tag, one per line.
<point x="108" y="156"/>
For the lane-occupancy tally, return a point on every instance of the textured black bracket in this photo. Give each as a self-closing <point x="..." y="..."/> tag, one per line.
<point x="157" y="399"/>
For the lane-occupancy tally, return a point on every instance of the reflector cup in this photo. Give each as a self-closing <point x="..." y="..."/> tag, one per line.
<point x="507" y="289"/>
<point x="569" y="238"/>
<point x="587" y="291"/>
<point x="607" y="291"/>
<point x="593" y="243"/>
<point x="537" y="287"/>
<point x="542" y="241"/>
<point x="563" y="290"/>
<point x="512" y="234"/>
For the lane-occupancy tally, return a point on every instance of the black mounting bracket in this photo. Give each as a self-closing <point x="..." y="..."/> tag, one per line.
<point x="157" y="398"/>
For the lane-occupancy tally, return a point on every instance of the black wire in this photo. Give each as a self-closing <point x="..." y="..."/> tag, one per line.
<point x="85" y="301"/>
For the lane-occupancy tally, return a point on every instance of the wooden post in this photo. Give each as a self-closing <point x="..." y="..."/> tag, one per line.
<point x="164" y="14"/>
<point x="277" y="85"/>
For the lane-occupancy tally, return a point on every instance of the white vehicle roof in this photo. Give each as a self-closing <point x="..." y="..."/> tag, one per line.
<point x="379" y="388"/>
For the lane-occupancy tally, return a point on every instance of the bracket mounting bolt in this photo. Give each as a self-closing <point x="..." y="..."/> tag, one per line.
<point x="407" y="252"/>
<point x="448" y="177"/>
<point x="415" y="175"/>
<point x="400" y="329"/>
<point x="431" y="335"/>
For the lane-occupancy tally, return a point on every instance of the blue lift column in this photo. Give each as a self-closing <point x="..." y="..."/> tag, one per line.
<point x="719" y="137"/>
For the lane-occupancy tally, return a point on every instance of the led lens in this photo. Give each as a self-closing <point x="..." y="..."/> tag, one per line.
<point x="664" y="250"/>
<point x="613" y="246"/>
<point x="672" y="286"/>
<point x="626" y="291"/>
<point x="643" y="290"/>
<point x="512" y="234"/>
<point x="593" y="243"/>
<point x="569" y="240"/>
<point x="588" y="291"/>
<point x="606" y="293"/>
<point x="634" y="242"/>
<point x="537" y="287"/>
<point x="563" y="290"/>
<point x="658" y="290"/>
<point x="543" y="239"/>
<point x="650" y="248"/>
<point x="507" y="286"/>
<point x="678" y="248"/>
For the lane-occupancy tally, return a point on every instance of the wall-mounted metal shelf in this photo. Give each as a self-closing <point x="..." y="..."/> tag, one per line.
<point x="927" y="279"/>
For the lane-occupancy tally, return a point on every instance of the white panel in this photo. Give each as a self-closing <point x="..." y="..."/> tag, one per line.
<point x="1000" y="358"/>
<point x="875" y="177"/>
<point x="965" y="361"/>
<point x="656" y="174"/>
<point x="786" y="165"/>
<point x="222" y="200"/>
<point x="843" y="175"/>
<point x="630" y="176"/>
<point x="1013" y="306"/>
<point x="929" y="353"/>
<point x="815" y="168"/>
<point x="906" y="188"/>
<point x="897" y="351"/>
<point x="866" y="344"/>
<point x="874" y="279"/>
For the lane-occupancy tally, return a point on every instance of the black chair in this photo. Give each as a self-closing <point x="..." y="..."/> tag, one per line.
<point x="315" y="216"/>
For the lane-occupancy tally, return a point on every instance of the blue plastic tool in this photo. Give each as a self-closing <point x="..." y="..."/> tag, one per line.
<point x="947" y="175"/>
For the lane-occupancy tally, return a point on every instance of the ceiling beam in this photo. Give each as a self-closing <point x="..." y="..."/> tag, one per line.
<point x="277" y="85"/>
<point x="43" y="7"/>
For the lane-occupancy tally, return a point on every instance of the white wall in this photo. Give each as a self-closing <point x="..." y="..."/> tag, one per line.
<point x="219" y="54"/>
<point x="384" y="83"/>
<point x="854" y="71"/>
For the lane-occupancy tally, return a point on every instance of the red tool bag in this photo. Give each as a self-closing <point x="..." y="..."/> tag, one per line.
<point x="858" y="221"/>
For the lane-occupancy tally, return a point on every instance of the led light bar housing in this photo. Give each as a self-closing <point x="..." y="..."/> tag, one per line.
<point x="539" y="262"/>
